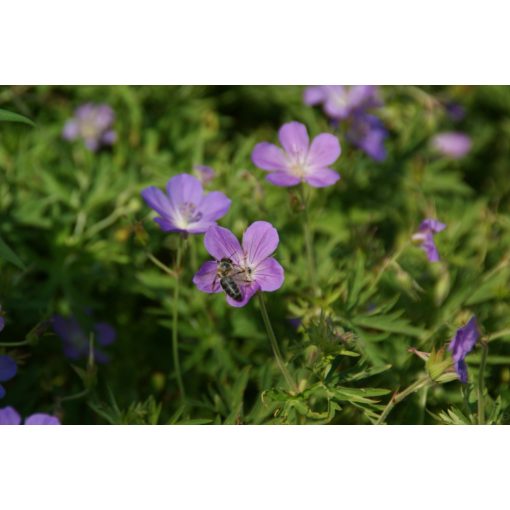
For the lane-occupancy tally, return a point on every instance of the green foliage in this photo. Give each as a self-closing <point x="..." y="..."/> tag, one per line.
<point x="75" y="235"/>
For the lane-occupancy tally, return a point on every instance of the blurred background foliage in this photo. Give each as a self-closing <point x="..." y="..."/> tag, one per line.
<point x="77" y="223"/>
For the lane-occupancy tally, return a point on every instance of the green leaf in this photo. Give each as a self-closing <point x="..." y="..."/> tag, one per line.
<point x="6" y="116"/>
<point x="7" y="254"/>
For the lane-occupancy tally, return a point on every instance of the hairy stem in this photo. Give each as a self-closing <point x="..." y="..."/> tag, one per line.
<point x="308" y="234"/>
<point x="398" y="397"/>
<point x="481" y="385"/>
<point x="274" y="345"/>
<point x="175" y="320"/>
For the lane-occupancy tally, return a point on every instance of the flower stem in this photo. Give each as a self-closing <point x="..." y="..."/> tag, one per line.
<point x="160" y="264"/>
<point x="481" y="377"/>
<point x="15" y="344"/>
<point x="398" y="397"/>
<point x="274" y="345"/>
<point x="175" y="320"/>
<point x="308" y="234"/>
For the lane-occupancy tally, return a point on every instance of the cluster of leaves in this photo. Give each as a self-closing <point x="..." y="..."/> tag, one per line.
<point x="76" y="235"/>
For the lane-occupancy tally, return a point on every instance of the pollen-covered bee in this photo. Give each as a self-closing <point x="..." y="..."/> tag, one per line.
<point x="226" y="272"/>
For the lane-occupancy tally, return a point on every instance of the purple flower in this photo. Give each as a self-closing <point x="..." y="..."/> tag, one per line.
<point x="75" y="339"/>
<point x="425" y="236"/>
<point x="461" y="344"/>
<point x="455" y="111"/>
<point x="204" y="173"/>
<point x="340" y="102"/>
<point x="9" y="416"/>
<point x="240" y="271"/>
<point x="452" y="144"/>
<point x="8" y="370"/>
<point x="367" y="132"/>
<point x="185" y="208"/>
<point x="93" y="124"/>
<point x="300" y="161"/>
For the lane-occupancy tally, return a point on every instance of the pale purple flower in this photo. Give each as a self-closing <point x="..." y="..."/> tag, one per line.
<point x="93" y="124"/>
<point x="340" y="102"/>
<point x="452" y="144"/>
<point x="9" y="416"/>
<point x="425" y="236"/>
<point x="8" y="370"/>
<point x="253" y="267"/>
<point x="185" y="208"/>
<point x="461" y="344"/>
<point x="368" y="133"/>
<point x="299" y="161"/>
<point x="75" y="338"/>
<point x="204" y="173"/>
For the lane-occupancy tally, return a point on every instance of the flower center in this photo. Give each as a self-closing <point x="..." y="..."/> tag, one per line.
<point x="189" y="213"/>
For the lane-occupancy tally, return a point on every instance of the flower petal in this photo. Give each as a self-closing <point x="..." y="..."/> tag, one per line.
<point x="268" y="157"/>
<point x="105" y="333"/>
<point x="8" y="368"/>
<point x="71" y="130"/>
<point x="184" y="188"/>
<point x="206" y="279"/>
<point x="42" y="419"/>
<point x="314" y="95"/>
<point x="283" y="179"/>
<point x="432" y="225"/>
<point x="214" y="205"/>
<point x="248" y="291"/>
<point x="324" y="151"/>
<point x="429" y="247"/>
<point x="9" y="416"/>
<point x="269" y="275"/>
<point x="222" y="243"/>
<point x="260" y="241"/>
<point x="294" y="139"/>
<point x="322" y="177"/>
<point x="158" y="201"/>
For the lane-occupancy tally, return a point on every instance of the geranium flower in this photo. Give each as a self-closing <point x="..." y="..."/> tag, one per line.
<point x="452" y="144"/>
<point x="299" y="161"/>
<point x="204" y="173"/>
<point x="185" y="208"/>
<point x="461" y="344"/>
<point x="93" y="124"/>
<point x="425" y="236"/>
<point x="8" y="370"/>
<point x="9" y="416"/>
<point x="253" y="268"/>
<point x="340" y="102"/>
<point x="368" y="133"/>
<point x="75" y="339"/>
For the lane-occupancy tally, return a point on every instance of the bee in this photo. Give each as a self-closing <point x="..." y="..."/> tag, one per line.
<point x="225" y="273"/>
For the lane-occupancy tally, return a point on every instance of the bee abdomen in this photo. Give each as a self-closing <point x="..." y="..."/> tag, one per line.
<point x="231" y="288"/>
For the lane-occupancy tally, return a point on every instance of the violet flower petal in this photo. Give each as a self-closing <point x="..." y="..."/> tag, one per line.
<point x="314" y="95"/>
<point x="205" y="278"/>
<point x="214" y="205"/>
<point x="324" y="151"/>
<point x="9" y="416"/>
<point x="269" y="274"/>
<point x="294" y="139"/>
<point x="260" y="241"/>
<point x="248" y="291"/>
<point x="42" y="419"/>
<point x="158" y="201"/>
<point x="221" y="243"/>
<point x="8" y="368"/>
<point x="282" y="179"/>
<point x="268" y="156"/>
<point x="105" y="333"/>
<point x="183" y="189"/>
<point x="322" y="177"/>
<point x="461" y="344"/>
<point x="452" y="144"/>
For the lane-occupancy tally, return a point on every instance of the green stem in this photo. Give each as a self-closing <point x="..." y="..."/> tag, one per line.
<point x="481" y="377"/>
<point x="274" y="345"/>
<point x="160" y="264"/>
<point x="398" y="397"/>
<point x="175" y="320"/>
<point x="15" y="344"/>
<point x="308" y="234"/>
<point x="75" y="396"/>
